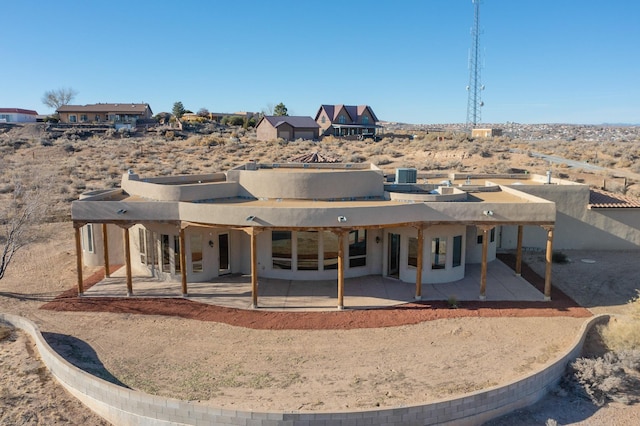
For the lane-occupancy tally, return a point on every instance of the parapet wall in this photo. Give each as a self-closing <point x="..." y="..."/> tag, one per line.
<point x="124" y="406"/>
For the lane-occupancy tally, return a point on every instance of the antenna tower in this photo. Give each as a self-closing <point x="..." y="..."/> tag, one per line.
<point x="475" y="87"/>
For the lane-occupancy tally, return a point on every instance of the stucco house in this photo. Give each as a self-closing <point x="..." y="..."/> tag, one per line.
<point x="347" y="120"/>
<point x="120" y="115"/>
<point x="271" y="127"/>
<point x="320" y="221"/>
<point x="486" y="133"/>
<point x="17" y="115"/>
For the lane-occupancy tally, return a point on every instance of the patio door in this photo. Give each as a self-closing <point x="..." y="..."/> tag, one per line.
<point x="223" y="254"/>
<point x="393" y="260"/>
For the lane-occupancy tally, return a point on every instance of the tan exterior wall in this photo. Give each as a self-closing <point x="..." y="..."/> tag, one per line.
<point x="327" y="121"/>
<point x="578" y="227"/>
<point x="266" y="132"/>
<point x="368" y="115"/>
<point x="294" y="184"/>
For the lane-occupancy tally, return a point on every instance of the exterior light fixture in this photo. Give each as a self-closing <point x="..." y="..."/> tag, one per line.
<point x="210" y="243"/>
<point x="342" y="219"/>
<point x="377" y="240"/>
<point x="488" y="212"/>
<point x="250" y="218"/>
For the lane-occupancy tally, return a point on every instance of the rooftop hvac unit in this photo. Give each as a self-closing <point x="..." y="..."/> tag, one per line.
<point x="406" y="175"/>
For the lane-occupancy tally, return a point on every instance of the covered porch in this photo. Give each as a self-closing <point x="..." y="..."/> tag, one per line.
<point x="235" y="291"/>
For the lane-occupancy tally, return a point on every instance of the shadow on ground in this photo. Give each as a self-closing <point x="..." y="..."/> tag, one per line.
<point x="81" y="355"/>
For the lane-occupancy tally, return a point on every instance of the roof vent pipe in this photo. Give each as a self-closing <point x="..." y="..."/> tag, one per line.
<point x="548" y="177"/>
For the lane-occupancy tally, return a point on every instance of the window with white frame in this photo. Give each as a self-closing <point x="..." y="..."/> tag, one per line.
<point x="357" y="248"/>
<point x="307" y="250"/>
<point x="330" y="250"/>
<point x="88" y="238"/>
<point x="412" y="259"/>
<point x="457" y="251"/>
<point x="73" y="118"/>
<point x="281" y="249"/>
<point x="438" y="253"/>
<point x="196" y="253"/>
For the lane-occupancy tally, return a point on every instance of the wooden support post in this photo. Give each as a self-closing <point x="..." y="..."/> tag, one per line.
<point x="419" y="264"/>
<point x="254" y="269"/>
<point x="483" y="272"/>
<point x="76" y="229"/>
<point x="519" y="252"/>
<point x="549" y="260"/>
<point x="105" y="249"/>
<point x="127" y="258"/>
<point x="341" y="270"/>
<point x="183" y="263"/>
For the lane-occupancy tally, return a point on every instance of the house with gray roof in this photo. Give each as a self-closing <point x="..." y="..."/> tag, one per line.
<point x="356" y="121"/>
<point x="271" y="127"/>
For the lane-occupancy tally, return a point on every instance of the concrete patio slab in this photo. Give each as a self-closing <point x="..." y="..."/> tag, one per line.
<point x="234" y="291"/>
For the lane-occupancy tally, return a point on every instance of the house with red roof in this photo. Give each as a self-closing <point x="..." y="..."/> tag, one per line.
<point x="17" y="115"/>
<point x="117" y="114"/>
<point x="358" y="121"/>
<point x="271" y="127"/>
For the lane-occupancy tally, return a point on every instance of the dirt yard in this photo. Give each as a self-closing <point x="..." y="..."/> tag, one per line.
<point x="308" y="370"/>
<point x="403" y="361"/>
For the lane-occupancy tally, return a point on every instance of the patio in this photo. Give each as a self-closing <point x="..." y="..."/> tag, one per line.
<point x="234" y="291"/>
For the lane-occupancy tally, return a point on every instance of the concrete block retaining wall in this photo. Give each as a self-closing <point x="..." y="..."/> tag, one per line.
<point x="122" y="406"/>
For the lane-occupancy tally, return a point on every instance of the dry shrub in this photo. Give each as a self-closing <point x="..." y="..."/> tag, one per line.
<point x="4" y="332"/>
<point x="623" y="332"/>
<point x="612" y="377"/>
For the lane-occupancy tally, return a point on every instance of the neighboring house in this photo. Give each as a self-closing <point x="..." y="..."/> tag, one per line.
<point x="120" y="115"/>
<point x="485" y="133"/>
<point x="17" y="115"/>
<point x="271" y="127"/>
<point x="347" y="120"/>
<point x="297" y="221"/>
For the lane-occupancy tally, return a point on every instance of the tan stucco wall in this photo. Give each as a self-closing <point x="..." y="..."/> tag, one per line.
<point x="578" y="227"/>
<point x="299" y="184"/>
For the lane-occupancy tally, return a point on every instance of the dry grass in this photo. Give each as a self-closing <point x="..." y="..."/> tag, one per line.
<point x="73" y="162"/>
<point x="623" y="332"/>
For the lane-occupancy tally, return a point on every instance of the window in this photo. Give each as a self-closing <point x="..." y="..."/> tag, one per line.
<point x="166" y="253"/>
<point x="196" y="253"/>
<point x="438" y="253"/>
<point x="330" y="250"/>
<point x="412" y="260"/>
<point x="73" y="118"/>
<point x="281" y="249"/>
<point x="176" y="254"/>
<point x="357" y="248"/>
<point x="492" y="236"/>
<point x="88" y="239"/>
<point x="142" y="243"/>
<point x="323" y="119"/>
<point x="457" y="251"/>
<point x="342" y="119"/>
<point x="97" y="117"/>
<point x="365" y="119"/>
<point x="307" y="250"/>
<point x="83" y="118"/>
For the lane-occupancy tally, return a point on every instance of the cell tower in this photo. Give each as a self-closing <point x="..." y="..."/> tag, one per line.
<point x="475" y="87"/>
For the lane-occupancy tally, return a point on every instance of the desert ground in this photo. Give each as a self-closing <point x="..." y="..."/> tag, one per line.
<point x="229" y="366"/>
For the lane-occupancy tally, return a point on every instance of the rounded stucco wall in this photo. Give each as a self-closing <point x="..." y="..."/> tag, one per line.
<point x="305" y="184"/>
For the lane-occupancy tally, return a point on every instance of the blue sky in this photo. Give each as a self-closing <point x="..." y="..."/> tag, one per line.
<point x="545" y="61"/>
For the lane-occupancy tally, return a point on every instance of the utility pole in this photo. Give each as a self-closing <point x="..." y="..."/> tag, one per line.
<point x="475" y="87"/>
